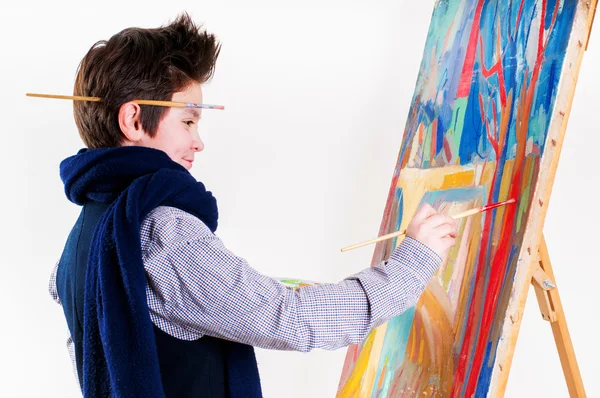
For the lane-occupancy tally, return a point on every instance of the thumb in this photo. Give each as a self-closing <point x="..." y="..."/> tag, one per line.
<point x="448" y="241"/>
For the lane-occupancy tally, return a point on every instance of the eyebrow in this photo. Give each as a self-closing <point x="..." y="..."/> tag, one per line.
<point x="192" y="112"/>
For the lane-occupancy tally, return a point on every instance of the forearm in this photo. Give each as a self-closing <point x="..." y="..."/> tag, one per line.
<point x="336" y="315"/>
<point x="226" y="298"/>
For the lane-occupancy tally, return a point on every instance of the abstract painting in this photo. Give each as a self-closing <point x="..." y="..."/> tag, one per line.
<point x="485" y="125"/>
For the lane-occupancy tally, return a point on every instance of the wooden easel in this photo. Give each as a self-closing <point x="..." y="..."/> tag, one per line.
<point x="551" y="308"/>
<point x="546" y="291"/>
<point x="536" y="268"/>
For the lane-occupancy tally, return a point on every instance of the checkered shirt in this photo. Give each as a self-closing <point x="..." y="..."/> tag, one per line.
<point x="195" y="286"/>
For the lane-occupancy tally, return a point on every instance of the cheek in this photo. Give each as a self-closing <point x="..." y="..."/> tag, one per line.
<point x="174" y="140"/>
<point x="180" y="143"/>
<point x="185" y="140"/>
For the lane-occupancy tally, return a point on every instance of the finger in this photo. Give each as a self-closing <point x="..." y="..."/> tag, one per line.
<point x="454" y="232"/>
<point x="436" y="220"/>
<point x="454" y="225"/>
<point x="446" y="230"/>
<point x="448" y="241"/>
<point x="424" y="211"/>
<point x="450" y="221"/>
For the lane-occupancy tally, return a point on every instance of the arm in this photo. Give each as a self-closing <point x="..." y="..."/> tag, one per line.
<point x="54" y="294"/>
<point x="200" y="287"/>
<point x="52" y="285"/>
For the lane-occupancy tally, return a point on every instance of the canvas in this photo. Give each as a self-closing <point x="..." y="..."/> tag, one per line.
<point x="485" y="125"/>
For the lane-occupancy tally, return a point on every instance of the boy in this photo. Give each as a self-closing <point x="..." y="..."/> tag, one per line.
<point x="154" y="302"/>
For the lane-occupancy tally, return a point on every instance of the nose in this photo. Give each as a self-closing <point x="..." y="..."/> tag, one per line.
<point x="197" y="143"/>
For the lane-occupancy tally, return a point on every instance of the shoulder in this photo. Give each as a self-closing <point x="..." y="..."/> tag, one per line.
<point x="167" y="225"/>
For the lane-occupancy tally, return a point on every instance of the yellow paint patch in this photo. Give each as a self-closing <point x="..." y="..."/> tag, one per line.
<point x="458" y="180"/>
<point x="362" y="379"/>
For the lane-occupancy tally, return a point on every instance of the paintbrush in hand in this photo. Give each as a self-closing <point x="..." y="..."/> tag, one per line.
<point x="464" y="214"/>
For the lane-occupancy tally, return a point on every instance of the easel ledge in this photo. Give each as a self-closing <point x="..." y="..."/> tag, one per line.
<point x="552" y="311"/>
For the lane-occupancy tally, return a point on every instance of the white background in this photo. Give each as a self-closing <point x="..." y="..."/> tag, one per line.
<point x="300" y="161"/>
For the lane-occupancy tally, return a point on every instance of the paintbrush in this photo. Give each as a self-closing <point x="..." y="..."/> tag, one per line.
<point x="464" y="214"/>
<point x="173" y="104"/>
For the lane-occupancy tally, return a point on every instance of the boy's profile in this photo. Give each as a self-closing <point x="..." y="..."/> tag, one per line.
<point x="155" y="304"/>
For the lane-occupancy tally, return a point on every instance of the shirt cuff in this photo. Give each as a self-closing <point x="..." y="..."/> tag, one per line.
<point x="396" y="285"/>
<point x="418" y="258"/>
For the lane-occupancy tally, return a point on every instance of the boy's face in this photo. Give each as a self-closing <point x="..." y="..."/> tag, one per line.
<point x="177" y="133"/>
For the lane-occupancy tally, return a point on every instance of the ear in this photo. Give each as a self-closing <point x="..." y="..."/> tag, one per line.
<point x="129" y="121"/>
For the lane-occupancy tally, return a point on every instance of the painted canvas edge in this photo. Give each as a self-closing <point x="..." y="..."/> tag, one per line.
<point x="384" y="249"/>
<point x="535" y="223"/>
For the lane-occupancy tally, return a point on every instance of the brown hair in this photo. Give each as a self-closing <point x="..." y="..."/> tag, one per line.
<point x="139" y="63"/>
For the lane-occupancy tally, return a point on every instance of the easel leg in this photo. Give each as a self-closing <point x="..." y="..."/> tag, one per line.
<point x="547" y="294"/>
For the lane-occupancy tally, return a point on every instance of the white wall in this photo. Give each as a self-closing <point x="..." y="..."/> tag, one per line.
<point x="316" y="100"/>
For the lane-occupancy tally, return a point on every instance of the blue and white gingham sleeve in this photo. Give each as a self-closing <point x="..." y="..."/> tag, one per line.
<point x="396" y="284"/>
<point x="52" y="285"/>
<point x="196" y="287"/>
<point x="54" y="294"/>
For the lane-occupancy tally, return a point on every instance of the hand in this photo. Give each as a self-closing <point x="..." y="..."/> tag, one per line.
<point x="435" y="230"/>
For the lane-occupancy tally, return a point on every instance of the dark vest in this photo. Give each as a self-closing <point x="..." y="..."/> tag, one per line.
<point x="188" y="368"/>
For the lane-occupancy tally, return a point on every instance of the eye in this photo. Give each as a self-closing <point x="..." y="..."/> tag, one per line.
<point x="189" y="123"/>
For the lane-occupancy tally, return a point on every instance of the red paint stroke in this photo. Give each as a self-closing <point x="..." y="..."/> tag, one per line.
<point x="498" y="269"/>
<point x="385" y="225"/>
<point x="464" y="85"/>
<point x="500" y="258"/>
<point x="463" y="360"/>
<point x="495" y="205"/>
<point x="518" y="18"/>
<point x="541" y="31"/>
<point x="497" y="67"/>
<point x="432" y="151"/>
<point x="447" y="150"/>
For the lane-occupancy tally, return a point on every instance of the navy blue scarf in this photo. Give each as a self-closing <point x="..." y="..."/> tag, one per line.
<point x="119" y="348"/>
